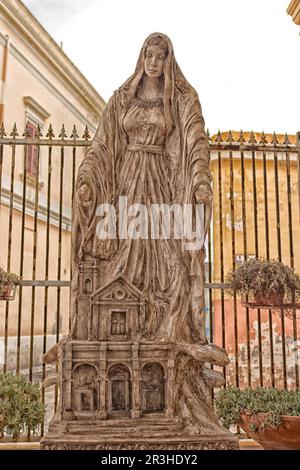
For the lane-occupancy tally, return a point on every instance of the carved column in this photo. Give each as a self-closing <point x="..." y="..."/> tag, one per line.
<point x="170" y="405"/>
<point x="136" y="405"/>
<point x="102" y="413"/>
<point x="67" y="383"/>
<point x="90" y="322"/>
<point x="95" y="275"/>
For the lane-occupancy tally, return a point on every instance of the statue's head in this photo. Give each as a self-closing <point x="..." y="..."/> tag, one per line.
<point x="157" y="59"/>
<point x="156" y="52"/>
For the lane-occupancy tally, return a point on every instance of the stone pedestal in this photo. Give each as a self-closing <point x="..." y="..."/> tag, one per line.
<point x="152" y="433"/>
<point x="122" y="395"/>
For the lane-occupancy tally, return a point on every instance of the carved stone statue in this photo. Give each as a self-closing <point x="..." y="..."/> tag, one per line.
<point x="135" y="370"/>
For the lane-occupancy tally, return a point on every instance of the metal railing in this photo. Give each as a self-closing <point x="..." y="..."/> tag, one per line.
<point x="256" y="213"/>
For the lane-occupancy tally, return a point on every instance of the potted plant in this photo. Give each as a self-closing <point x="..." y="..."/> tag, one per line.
<point x="264" y="282"/>
<point x="8" y="285"/>
<point x="21" y="406"/>
<point x="269" y="416"/>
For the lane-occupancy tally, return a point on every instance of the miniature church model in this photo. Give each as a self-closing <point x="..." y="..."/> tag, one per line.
<point x="106" y="371"/>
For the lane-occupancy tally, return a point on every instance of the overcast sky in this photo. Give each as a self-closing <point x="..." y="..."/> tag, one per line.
<point x="242" y="56"/>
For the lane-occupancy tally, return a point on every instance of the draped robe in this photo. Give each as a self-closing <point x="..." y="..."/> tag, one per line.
<point x="171" y="278"/>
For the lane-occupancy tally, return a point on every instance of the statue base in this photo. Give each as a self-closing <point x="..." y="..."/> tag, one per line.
<point x="145" y="433"/>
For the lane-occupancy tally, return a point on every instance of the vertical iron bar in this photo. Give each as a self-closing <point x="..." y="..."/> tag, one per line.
<point x="298" y="169"/>
<point x="72" y="208"/>
<point x="21" y="260"/>
<point x="290" y="217"/>
<point x="292" y="260"/>
<point x="11" y="205"/>
<point x="261" y="381"/>
<point x="298" y="182"/>
<point x="277" y="206"/>
<point x="47" y="271"/>
<point x="34" y="262"/>
<point x="211" y="323"/>
<point x="268" y="257"/>
<point x="62" y="150"/>
<point x="232" y="217"/>
<point x="279" y="251"/>
<point x="1" y="166"/>
<point x="245" y="251"/>
<point x="221" y="251"/>
<point x="210" y="302"/>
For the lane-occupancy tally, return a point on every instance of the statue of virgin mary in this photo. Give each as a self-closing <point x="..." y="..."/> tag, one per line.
<point x="151" y="150"/>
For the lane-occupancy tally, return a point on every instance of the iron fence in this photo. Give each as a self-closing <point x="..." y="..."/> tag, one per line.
<point x="256" y="183"/>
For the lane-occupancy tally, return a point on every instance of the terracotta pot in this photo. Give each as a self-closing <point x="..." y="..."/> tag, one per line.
<point x="275" y="299"/>
<point x="8" y="293"/>
<point x="285" y="437"/>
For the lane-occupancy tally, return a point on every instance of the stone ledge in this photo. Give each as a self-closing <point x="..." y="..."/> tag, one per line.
<point x="245" y="444"/>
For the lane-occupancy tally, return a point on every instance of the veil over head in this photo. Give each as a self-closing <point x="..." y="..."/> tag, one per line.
<point x="173" y="78"/>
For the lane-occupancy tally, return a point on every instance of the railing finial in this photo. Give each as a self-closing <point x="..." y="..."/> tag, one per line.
<point x="2" y="131"/>
<point x="230" y="138"/>
<point x="241" y="138"/>
<point x="38" y="133"/>
<point x="27" y="131"/>
<point x="263" y="140"/>
<point x="86" y="134"/>
<point x="74" y="134"/>
<point x="219" y="137"/>
<point x="252" y="139"/>
<point x="63" y="133"/>
<point x="14" y="132"/>
<point x="50" y="134"/>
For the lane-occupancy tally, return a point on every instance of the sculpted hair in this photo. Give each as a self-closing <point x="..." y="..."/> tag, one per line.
<point x="160" y="42"/>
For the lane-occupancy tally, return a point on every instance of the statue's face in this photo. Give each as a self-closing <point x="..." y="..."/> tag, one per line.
<point x="154" y="61"/>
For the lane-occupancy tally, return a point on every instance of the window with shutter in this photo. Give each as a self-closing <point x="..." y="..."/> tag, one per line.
<point x="32" y="150"/>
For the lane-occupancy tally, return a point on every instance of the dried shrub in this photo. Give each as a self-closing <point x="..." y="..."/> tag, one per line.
<point x="264" y="278"/>
<point x="7" y="278"/>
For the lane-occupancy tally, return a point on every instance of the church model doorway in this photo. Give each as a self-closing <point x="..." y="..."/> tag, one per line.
<point x="119" y="390"/>
<point x="153" y="388"/>
<point x="85" y="388"/>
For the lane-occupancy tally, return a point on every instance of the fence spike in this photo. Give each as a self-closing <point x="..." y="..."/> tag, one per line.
<point x="14" y="132"/>
<point x="241" y="138"/>
<point x="2" y="131"/>
<point x="286" y="139"/>
<point x="50" y="133"/>
<point x="74" y="134"/>
<point x="38" y="133"/>
<point x="230" y="138"/>
<point x="274" y="140"/>
<point x="63" y="133"/>
<point x="219" y="137"/>
<point x="263" y="140"/>
<point x="86" y="134"/>
<point x="252" y="139"/>
<point x="27" y="133"/>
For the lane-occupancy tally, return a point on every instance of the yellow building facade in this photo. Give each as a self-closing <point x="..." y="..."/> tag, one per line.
<point x="39" y="86"/>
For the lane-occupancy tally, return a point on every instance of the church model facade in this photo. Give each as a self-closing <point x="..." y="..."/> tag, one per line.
<point x="107" y="371"/>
